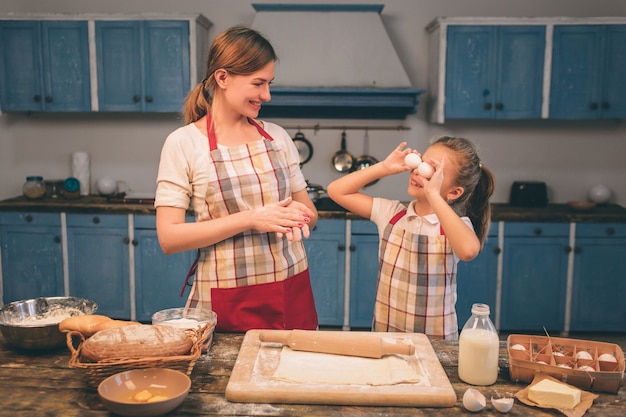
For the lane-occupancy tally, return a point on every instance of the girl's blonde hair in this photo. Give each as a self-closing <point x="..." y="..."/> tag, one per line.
<point x="238" y="50"/>
<point x="477" y="181"/>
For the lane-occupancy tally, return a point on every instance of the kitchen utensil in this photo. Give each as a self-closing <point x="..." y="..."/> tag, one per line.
<point x="251" y="378"/>
<point x="34" y="324"/>
<point x="365" y="160"/>
<point x="343" y="161"/>
<point x="305" y="149"/>
<point x="351" y="344"/>
<point x="187" y="318"/>
<point x="529" y="194"/>
<point x="315" y="191"/>
<point x="118" y="391"/>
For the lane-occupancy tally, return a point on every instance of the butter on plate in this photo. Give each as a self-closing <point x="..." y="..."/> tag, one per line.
<point x="554" y="394"/>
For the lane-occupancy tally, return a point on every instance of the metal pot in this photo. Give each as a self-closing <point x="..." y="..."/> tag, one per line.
<point x="343" y="161"/>
<point x="305" y="149"/>
<point x="365" y="160"/>
<point x="315" y="191"/>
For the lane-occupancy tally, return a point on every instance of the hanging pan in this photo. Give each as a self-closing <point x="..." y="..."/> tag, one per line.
<point x="365" y="160"/>
<point x="305" y="149"/>
<point x="343" y="161"/>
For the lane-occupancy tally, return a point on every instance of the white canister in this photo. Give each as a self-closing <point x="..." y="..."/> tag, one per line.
<point x="81" y="171"/>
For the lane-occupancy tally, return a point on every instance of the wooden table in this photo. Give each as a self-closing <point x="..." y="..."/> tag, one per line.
<point x="42" y="385"/>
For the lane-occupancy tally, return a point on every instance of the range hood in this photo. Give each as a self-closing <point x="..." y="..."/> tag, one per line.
<point x="334" y="61"/>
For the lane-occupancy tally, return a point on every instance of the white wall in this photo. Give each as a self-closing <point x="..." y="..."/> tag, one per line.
<point x="569" y="156"/>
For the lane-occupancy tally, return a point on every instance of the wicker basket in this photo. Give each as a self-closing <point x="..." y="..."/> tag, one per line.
<point x="559" y="357"/>
<point x="97" y="371"/>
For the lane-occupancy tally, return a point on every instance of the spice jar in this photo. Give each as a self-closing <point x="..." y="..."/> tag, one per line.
<point x="479" y="347"/>
<point x="34" y="187"/>
<point x="71" y="188"/>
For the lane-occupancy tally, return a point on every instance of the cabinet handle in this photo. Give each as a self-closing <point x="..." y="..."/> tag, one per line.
<point x="341" y="248"/>
<point x="568" y="249"/>
<point x="577" y="249"/>
<point x="135" y="242"/>
<point x="28" y="218"/>
<point x="605" y="105"/>
<point x="497" y="250"/>
<point x="593" y="105"/>
<point x="499" y="106"/>
<point x="126" y="240"/>
<point x="48" y="99"/>
<point x="136" y="98"/>
<point x="148" y="99"/>
<point x="95" y="220"/>
<point x="537" y="231"/>
<point x="37" y="98"/>
<point x="57" y="239"/>
<point x="610" y="231"/>
<point x="352" y="248"/>
<point x="487" y="106"/>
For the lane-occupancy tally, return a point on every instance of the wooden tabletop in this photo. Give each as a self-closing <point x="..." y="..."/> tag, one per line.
<point x="42" y="384"/>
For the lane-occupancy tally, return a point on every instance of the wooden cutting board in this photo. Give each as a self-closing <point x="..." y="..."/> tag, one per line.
<point x="251" y="379"/>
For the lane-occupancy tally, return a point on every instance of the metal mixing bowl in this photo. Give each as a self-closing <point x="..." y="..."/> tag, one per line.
<point x="34" y="324"/>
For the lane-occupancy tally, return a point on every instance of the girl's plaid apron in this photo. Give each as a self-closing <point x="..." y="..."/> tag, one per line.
<point x="416" y="283"/>
<point x="252" y="280"/>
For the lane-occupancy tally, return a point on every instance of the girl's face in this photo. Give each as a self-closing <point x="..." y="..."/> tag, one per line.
<point x="435" y="154"/>
<point x="244" y="94"/>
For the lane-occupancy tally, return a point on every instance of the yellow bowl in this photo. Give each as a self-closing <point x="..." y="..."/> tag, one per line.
<point x="144" y="392"/>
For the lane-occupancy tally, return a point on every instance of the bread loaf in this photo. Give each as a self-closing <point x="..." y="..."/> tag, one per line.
<point x="91" y="323"/>
<point x="136" y="341"/>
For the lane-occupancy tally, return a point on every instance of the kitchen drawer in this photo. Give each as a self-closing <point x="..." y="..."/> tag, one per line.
<point x="536" y="229"/>
<point x="35" y="219"/>
<point x="97" y="220"/>
<point x="617" y="230"/>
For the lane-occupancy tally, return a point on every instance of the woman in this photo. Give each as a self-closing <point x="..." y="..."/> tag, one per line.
<point x="243" y="180"/>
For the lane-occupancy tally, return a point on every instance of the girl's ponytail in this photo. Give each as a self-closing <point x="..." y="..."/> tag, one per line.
<point x="478" y="208"/>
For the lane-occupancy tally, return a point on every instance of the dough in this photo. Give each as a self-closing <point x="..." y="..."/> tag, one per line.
<point x="322" y="368"/>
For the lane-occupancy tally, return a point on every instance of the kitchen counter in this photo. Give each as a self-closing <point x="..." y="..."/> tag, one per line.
<point x="327" y="209"/>
<point x="43" y="384"/>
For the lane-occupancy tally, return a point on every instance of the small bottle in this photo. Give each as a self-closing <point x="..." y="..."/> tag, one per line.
<point x="479" y="347"/>
<point x="34" y="187"/>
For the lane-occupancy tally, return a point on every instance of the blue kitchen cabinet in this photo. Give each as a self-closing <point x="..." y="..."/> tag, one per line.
<point x="98" y="261"/>
<point x="363" y="272"/>
<point x="598" y="285"/>
<point x="44" y="66"/>
<point x="494" y="72"/>
<point x="159" y="278"/>
<point x="143" y="66"/>
<point x="32" y="255"/>
<point x="325" y="249"/>
<point x="534" y="276"/>
<point x="476" y="280"/>
<point x="588" y="67"/>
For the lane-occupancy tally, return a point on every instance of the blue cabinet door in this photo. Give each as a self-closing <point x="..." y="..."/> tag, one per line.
<point x="32" y="256"/>
<point x="494" y="72"/>
<point x="587" y="72"/>
<point x="98" y="266"/>
<point x="599" y="285"/>
<point x="142" y="65"/>
<point x="477" y="280"/>
<point x="325" y="250"/>
<point x="44" y="66"/>
<point x="363" y="273"/>
<point x="534" y="276"/>
<point x="159" y="278"/>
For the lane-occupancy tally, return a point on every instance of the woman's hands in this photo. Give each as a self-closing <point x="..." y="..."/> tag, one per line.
<point x="288" y="218"/>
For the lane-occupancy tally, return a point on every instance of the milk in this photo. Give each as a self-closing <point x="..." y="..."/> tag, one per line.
<point x="478" y="356"/>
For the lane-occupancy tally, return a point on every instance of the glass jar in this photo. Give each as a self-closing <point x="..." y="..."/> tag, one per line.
<point x="34" y="187"/>
<point x="71" y="188"/>
<point x="479" y="348"/>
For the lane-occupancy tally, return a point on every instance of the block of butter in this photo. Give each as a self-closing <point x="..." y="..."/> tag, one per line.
<point x="554" y="394"/>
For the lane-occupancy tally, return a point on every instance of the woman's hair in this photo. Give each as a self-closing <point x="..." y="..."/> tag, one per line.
<point x="477" y="181"/>
<point x="238" y="50"/>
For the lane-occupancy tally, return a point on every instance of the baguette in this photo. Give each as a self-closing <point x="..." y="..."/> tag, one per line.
<point x="136" y="341"/>
<point x="89" y="324"/>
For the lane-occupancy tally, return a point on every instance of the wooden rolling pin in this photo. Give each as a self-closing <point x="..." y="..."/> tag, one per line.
<point x="337" y="343"/>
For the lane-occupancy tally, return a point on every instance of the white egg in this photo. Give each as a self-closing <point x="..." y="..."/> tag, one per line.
<point x="586" y="368"/>
<point x="558" y="354"/>
<point x="503" y="405"/>
<point x="607" y="357"/>
<point x="425" y="169"/>
<point x="517" y="346"/>
<point x="412" y="160"/>
<point x="473" y="400"/>
<point x="584" y="355"/>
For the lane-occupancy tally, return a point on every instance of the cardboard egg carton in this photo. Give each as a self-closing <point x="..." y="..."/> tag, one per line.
<point x="585" y="364"/>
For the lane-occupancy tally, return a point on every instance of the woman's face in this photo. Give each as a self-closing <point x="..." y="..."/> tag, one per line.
<point x="437" y="153"/>
<point x="244" y="94"/>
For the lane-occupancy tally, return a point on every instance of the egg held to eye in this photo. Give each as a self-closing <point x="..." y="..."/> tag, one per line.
<point x="412" y="160"/>
<point x="425" y="169"/>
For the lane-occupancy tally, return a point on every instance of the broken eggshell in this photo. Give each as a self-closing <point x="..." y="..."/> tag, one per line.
<point x="473" y="400"/>
<point x="503" y="405"/>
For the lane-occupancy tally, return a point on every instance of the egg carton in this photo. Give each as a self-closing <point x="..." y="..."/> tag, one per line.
<point x="586" y="364"/>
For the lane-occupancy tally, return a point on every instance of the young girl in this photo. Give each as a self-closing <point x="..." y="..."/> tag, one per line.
<point x="421" y="244"/>
<point x="243" y="180"/>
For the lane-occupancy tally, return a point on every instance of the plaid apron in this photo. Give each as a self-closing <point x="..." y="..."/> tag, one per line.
<point x="416" y="290"/>
<point x="252" y="280"/>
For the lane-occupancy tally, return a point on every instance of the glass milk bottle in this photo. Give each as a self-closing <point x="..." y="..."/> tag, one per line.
<point x="479" y="347"/>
